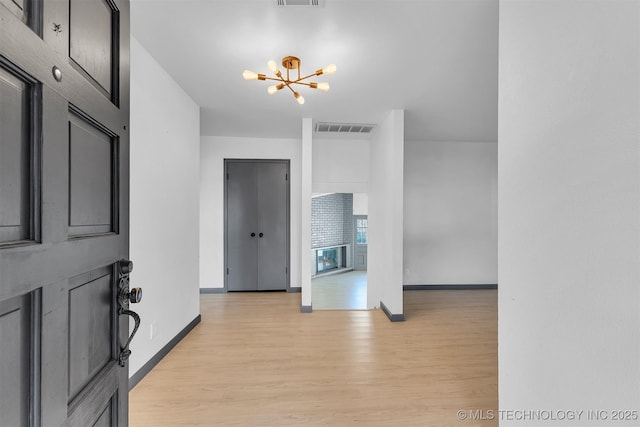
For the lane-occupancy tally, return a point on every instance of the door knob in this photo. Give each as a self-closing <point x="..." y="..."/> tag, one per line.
<point x="261" y="234"/>
<point x="253" y="234"/>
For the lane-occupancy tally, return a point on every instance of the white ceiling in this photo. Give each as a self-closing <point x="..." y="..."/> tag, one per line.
<point x="438" y="60"/>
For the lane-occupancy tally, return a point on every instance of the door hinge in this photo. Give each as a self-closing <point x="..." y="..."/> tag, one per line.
<point x="286" y="270"/>
<point x="227" y="270"/>
<point x="227" y="177"/>
<point x="286" y="177"/>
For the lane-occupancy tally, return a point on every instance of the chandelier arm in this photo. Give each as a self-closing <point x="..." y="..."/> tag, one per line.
<point x="290" y="88"/>
<point x="305" y="77"/>
<point x="287" y="83"/>
<point x="301" y="83"/>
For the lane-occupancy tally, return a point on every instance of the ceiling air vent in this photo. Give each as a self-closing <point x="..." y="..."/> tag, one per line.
<point x="323" y="127"/>
<point x="312" y="3"/>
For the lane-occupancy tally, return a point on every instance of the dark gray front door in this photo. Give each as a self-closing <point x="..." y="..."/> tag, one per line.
<point x="64" y="179"/>
<point x="257" y="225"/>
<point x="361" y="228"/>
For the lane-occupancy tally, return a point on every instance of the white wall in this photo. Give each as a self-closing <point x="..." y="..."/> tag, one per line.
<point x="340" y="165"/>
<point x="569" y="209"/>
<point x="213" y="151"/>
<point x="165" y="149"/>
<point x="360" y="204"/>
<point x="306" y="192"/>
<point x="384" y="257"/>
<point x="450" y="213"/>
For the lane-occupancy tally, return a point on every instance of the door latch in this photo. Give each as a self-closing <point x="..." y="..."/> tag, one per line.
<point x="125" y="297"/>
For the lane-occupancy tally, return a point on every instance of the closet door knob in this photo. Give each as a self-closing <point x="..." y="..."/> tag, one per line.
<point x="261" y="234"/>
<point x="253" y="234"/>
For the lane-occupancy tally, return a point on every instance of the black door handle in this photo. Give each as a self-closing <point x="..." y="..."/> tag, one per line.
<point x="261" y="234"/>
<point x="126" y="296"/>
<point x="253" y="234"/>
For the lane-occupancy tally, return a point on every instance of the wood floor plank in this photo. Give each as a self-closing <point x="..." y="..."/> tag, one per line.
<point x="255" y="360"/>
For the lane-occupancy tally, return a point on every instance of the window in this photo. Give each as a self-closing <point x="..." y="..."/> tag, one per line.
<point x="361" y="231"/>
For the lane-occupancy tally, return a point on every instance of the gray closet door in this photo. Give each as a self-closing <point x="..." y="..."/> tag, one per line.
<point x="257" y="225"/>
<point x="242" y="226"/>
<point x="64" y="211"/>
<point x="272" y="226"/>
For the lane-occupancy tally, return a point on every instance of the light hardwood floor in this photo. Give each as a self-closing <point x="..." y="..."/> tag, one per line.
<point x="255" y="360"/>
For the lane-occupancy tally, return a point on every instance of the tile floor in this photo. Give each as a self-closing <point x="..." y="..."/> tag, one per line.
<point x="344" y="291"/>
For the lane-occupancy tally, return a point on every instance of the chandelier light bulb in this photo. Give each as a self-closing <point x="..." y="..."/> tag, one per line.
<point x="274" y="88"/>
<point x="271" y="65"/>
<point x="323" y="86"/>
<point x="330" y="69"/>
<point x="299" y="98"/>
<point x="249" y="75"/>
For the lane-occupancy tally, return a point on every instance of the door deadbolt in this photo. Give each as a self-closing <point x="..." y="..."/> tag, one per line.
<point x="134" y="296"/>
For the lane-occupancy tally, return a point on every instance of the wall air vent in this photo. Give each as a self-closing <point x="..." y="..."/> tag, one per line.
<point x="324" y="127"/>
<point x="311" y="3"/>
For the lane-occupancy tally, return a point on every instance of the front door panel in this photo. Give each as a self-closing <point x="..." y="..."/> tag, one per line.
<point x="93" y="164"/>
<point x="16" y="117"/>
<point x="93" y="41"/>
<point x="15" y="369"/>
<point x="90" y="324"/>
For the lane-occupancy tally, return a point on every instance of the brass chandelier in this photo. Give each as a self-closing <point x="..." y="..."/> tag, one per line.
<point x="291" y="63"/>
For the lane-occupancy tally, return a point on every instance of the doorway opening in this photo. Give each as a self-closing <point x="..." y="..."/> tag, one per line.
<point x="339" y="251"/>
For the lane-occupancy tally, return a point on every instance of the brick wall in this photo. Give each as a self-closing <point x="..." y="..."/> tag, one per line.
<point x="331" y="220"/>
<point x="347" y="221"/>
